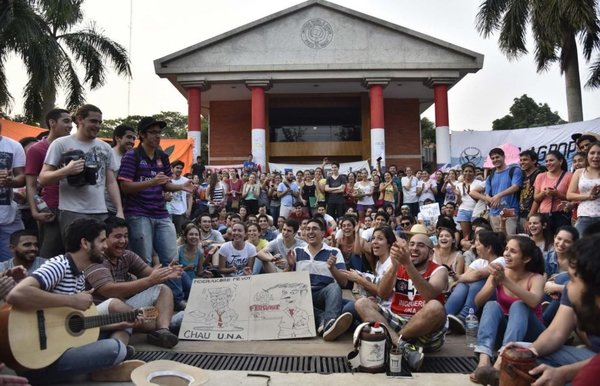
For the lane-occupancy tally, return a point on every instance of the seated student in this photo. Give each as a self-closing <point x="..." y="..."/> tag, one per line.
<point x="516" y="315"/>
<point x="445" y="254"/>
<point x="266" y="232"/>
<point x="489" y="247"/>
<point x="326" y="267"/>
<point x="273" y="257"/>
<point x="416" y="285"/>
<point x="557" y="264"/>
<point x="61" y="283"/>
<point x="210" y="239"/>
<point x="23" y="246"/>
<point x="562" y="363"/>
<point x="124" y="275"/>
<point x="191" y="258"/>
<point x="298" y="212"/>
<point x="330" y="222"/>
<point x="348" y="241"/>
<point x="236" y="257"/>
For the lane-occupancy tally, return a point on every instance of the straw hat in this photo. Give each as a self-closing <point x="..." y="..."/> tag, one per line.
<point x="164" y="372"/>
<point x="418" y="229"/>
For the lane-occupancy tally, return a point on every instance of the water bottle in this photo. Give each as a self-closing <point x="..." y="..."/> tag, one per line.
<point x="40" y="204"/>
<point x="471" y="327"/>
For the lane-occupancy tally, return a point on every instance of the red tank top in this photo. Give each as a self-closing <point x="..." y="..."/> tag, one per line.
<point x="406" y="301"/>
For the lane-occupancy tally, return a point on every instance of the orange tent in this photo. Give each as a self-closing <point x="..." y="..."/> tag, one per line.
<point x="16" y="130"/>
<point x="177" y="149"/>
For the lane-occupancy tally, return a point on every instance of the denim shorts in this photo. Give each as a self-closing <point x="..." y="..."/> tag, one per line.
<point x="464" y="215"/>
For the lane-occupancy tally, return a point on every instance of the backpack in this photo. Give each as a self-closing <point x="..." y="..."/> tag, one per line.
<point x="511" y="172"/>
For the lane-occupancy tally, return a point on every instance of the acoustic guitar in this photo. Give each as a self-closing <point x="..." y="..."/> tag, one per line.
<point x="36" y="339"/>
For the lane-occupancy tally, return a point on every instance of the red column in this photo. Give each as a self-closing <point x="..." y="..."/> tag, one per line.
<point x="259" y="138"/>
<point x="442" y="126"/>
<point x="377" y="120"/>
<point x="194" y="97"/>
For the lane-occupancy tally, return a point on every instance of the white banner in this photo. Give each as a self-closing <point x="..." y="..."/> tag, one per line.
<point x="345" y="167"/>
<point x="474" y="146"/>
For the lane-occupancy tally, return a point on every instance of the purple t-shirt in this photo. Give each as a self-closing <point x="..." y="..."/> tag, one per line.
<point x="148" y="202"/>
<point x="34" y="160"/>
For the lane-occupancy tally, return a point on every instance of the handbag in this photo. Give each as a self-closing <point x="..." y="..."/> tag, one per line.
<point x="556" y="219"/>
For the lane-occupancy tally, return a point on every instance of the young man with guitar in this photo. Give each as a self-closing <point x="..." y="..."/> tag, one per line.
<point x="113" y="278"/>
<point x="61" y="283"/>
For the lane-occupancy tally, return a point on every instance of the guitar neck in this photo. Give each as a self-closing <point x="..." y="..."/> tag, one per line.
<point x="104" y="320"/>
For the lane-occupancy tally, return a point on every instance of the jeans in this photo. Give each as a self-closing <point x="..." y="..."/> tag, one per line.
<point x="550" y="311"/>
<point x="496" y="329"/>
<point x="5" y="232"/>
<point x="327" y="303"/>
<point x="583" y="222"/>
<point x="462" y="298"/>
<point x="348" y="306"/>
<point x="566" y="355"/>
<point x="148" y="234"/>
<point x="102" y="354"/>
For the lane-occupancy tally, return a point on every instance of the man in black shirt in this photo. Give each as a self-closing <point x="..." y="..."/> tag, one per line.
<point x="335" y="186"/>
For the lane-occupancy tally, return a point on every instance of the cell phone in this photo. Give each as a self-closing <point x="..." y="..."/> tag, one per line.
<point x="509" y="212"/>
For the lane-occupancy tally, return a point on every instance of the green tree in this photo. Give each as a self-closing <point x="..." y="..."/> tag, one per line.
<point x="47" y="36"/>
<point x="556" y="25"/>
<point x="525" y="112"/>
<point x="427" y="132"/>
<point x="176" y="127"/>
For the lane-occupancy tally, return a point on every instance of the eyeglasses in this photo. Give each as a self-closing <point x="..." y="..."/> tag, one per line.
<point x="405" y="224"/>
<point x="154" y="132"/>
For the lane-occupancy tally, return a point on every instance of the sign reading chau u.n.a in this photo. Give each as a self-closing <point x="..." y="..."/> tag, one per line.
<point x="261" y="307"/>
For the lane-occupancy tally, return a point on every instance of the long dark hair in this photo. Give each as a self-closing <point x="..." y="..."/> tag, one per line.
<point x="546" y="230"/>
<point x="493" y="240"/>
<point x="559" y="156"/>
<point x="530" y="249"/>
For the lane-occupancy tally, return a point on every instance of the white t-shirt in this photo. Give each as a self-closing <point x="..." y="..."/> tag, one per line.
<point x="482" y="263"/>
<point x="11" y="156"/>
<point x="466" y="201"/>
<point x="237" y="258"/>
<point x="409" y="195"/>
<point x="367" y="190"/>
<point x="87" y="198"/>
<point x="178" y="205"/>
<point x="427" y="193"/>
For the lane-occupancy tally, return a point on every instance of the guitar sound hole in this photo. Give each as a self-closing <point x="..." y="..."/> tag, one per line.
<point x="75" y="324"/>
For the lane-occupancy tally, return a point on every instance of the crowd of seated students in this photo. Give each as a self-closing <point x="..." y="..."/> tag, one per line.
<point x="418" y="275"/>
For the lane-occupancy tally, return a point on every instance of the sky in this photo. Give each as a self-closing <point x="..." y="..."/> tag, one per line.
<point x="159" y="28"/>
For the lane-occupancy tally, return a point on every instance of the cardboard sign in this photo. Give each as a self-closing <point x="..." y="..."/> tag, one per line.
<point x="261" y="307"/>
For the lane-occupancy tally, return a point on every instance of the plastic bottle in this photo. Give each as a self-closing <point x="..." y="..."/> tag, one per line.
<point x="471" y="327"/>
<point x="41" y="205"/>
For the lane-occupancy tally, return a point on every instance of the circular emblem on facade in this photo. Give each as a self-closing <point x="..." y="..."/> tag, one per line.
<point x="471" y="154"/>
<point x="317" y="33"/>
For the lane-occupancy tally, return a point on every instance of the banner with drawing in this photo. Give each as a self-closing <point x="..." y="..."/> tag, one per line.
<point x="262" y="307"/>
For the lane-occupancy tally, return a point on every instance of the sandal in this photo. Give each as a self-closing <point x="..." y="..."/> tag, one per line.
<point x="486" y="375"/>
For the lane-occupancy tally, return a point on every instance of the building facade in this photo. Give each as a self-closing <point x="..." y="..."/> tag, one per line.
<point x="316" y="80"/>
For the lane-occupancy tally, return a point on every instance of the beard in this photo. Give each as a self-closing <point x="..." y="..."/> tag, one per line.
<point x="588" y="314"/>
<point x="96" y="256"/>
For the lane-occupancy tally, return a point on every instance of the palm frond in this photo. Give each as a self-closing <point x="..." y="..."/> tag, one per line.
<point x="61" y="15"/>
<point x="544" y="13"/>
<point x="5" y="96"/>
<point x="71" y="83"/>
<point x="86" y="54"/>
<point x="489" y="16"/>
<point x="514" y="29"/>
<point x="594" y="79"/>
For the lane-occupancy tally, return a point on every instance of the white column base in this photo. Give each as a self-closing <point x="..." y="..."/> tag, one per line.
<point x="197" y="137"/>
<point x="377" y="146"/>
<point x="259" y="148"/>
<point x="442" y="140"/>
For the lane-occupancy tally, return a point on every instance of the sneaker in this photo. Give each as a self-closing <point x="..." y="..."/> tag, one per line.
<point x="162" y="338"/>
<point x="320" y="330"/>
<point x="118" y="373"/>
<point x="130" y="352"/>
<point x="456" y="324"/>
<point x="413" y="355"/>
<point x="337" y="327"/>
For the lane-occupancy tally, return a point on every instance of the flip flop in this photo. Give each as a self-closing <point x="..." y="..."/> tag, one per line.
<point x="486" y="375"/>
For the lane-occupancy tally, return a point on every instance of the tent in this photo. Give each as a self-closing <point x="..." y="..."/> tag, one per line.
<point x="177" y="149"/>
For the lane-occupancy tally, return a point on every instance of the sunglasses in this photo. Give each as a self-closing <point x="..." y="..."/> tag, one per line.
<point x="405" y="224"/>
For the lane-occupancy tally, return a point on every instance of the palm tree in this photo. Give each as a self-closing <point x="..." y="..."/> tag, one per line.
<point x="556" y="25"/>
<point x="43" y="33"/>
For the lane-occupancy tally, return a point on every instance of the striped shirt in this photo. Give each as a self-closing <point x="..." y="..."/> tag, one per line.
<point x="148" y="202"/>
<point x="316" y="266"/>
<point x="60" y="275"/>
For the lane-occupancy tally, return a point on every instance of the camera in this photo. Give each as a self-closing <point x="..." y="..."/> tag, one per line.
<point x="89" y="175"/>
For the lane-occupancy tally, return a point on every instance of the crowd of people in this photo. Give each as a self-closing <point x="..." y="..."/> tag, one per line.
<point x="122" y="227"/>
